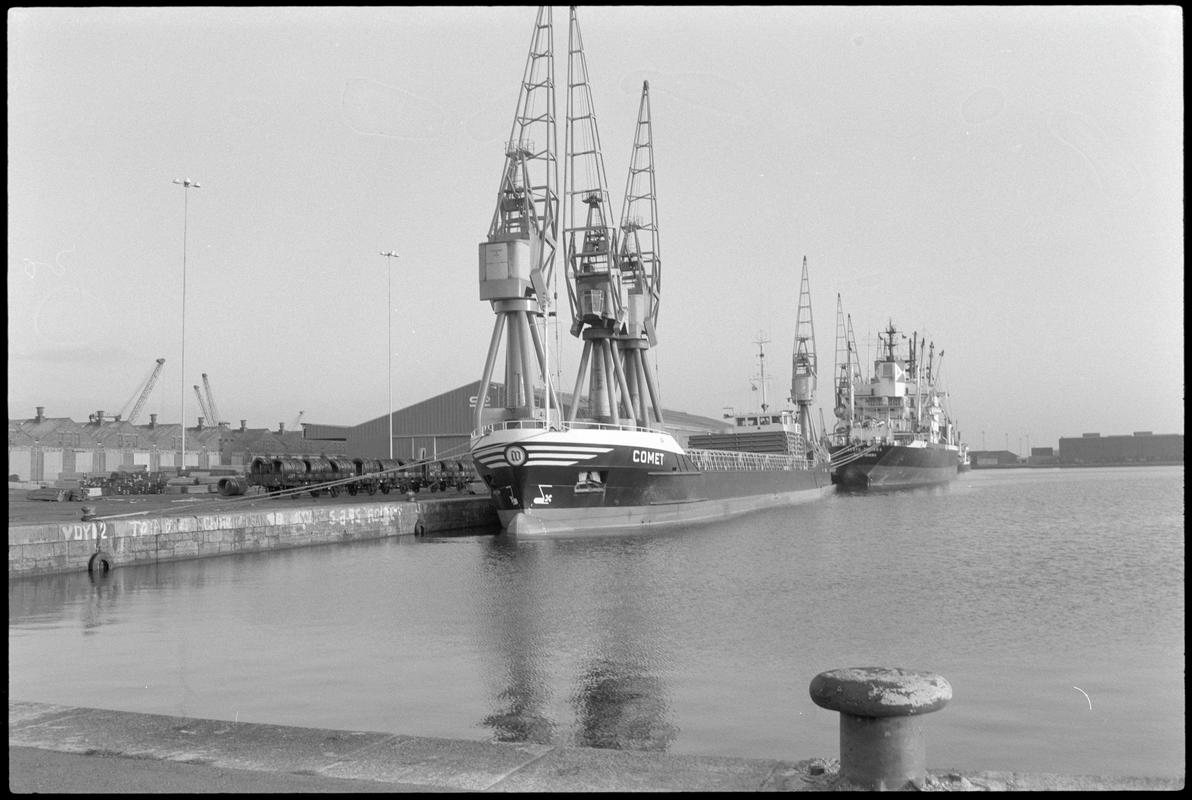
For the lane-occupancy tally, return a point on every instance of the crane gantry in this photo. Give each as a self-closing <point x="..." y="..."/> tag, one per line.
<point x="803" y="361"/>
<point x="640" y="262"/>
<point x="517" y="258"/>
<point x="612" y="280"/>
<point x="613" y="275"/>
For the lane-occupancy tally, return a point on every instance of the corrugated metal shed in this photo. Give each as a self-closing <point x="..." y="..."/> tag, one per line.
<point x="442" y="425"/>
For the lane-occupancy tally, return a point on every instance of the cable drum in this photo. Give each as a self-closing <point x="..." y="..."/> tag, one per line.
<point x="233" y="485"/>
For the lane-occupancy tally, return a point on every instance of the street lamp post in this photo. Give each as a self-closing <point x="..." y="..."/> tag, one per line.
<point x="390" y="254"/>
<point x="185" y="183"/>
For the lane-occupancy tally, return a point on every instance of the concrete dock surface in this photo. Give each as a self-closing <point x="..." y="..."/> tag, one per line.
<point x="65" y="749"/>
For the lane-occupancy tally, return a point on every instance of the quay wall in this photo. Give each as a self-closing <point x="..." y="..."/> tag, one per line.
<point x="50" y="548"/>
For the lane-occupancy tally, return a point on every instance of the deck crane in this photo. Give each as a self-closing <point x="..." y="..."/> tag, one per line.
<point x="594" y="286"/>
<point x="803" y="366"/>
<point x="517" y="258"/>
<point x="138" y="399"/>
<point x="215" y="420"/>
<point x="640" y="264"/>
<point x="848" y="367"/>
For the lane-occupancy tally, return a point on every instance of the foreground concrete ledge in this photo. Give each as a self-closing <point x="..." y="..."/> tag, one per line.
<point x="460" y="764"/>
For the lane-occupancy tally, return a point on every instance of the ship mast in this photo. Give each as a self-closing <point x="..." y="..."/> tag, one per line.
<point x="640" y="263"/>
<point x="803" y="367"/>
<point x="844" y="367"/>
<point x="590" y="241"/>
<point x="517" y="258"/>
<point x="762" y="380"/>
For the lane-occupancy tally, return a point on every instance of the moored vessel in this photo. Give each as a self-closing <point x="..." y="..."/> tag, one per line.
<point x="893" y="429"/>
<point x="550" y="468"/>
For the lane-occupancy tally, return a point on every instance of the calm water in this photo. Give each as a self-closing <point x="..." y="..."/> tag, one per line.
<point x="1027" y="589"/>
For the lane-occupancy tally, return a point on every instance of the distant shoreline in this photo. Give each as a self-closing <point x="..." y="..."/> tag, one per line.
<point x="1079" y="466"/>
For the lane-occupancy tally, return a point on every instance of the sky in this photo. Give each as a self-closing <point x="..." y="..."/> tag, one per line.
<point x="1005" y="181"/>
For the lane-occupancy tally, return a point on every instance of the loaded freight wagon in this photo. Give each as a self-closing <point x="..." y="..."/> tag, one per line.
<point x="336" y="474"/>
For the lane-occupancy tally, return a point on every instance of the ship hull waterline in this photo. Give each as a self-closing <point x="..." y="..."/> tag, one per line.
<point x="571" y="486"/>
<point x="898" y="467"/>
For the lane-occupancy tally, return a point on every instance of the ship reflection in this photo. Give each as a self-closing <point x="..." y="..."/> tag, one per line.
<point x="621" y="707"/>
<point x="520" y="713"/>
<point x="617" y="701"/>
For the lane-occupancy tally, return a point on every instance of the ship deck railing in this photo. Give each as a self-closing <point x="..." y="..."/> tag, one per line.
<point x="735" y="461"/>
<point x="562" y="425"/>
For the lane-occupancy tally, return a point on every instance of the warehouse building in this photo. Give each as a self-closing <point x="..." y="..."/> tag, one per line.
<point x="1142" y="447"/>
<point x="41" y="449"/>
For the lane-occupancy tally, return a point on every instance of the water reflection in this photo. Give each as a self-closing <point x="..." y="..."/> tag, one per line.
<point x="618" y="700"/>
<point x="623" y="707"/>
<point x="100" y="602"/>
<point x="522" y="696"/>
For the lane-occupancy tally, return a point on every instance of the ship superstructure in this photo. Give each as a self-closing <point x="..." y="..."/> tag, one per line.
<point x="893" y="429"/>
<point x="607" y="463"/>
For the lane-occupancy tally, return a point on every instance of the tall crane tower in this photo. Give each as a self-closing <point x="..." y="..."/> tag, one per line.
<point x="803" y="366"/>
<point x="517" y="258"/>
<point x="215" y="418"/>
<point x="594" y="286"/>
<point x="141" y="395"/>
<point x="203" y="405"/>
<point x="640" y="263"/>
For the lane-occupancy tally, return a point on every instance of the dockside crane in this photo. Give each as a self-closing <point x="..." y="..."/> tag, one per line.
<point x="594" y="286"/>
<point x="640" y="264"/>
<point x="803" y="360"/>
<point x="139" y="397"/>
<point x="203" y="404"/>
<point x="215" y="418"/>
<point x="517" y="258"/>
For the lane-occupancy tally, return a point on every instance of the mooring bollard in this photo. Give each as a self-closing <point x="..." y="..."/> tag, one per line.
<point x="881" y="727"/>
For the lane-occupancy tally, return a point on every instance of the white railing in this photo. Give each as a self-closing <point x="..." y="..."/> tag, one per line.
<point x="556" y="425"/>
<point x="733" y="461"/>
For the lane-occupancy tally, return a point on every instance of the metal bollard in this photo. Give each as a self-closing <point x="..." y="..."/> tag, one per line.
<point x="881" y="726"/>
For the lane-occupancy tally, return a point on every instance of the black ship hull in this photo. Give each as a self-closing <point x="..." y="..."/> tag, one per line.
<point x="594" y="481"/>
<point x="894" y="466"/>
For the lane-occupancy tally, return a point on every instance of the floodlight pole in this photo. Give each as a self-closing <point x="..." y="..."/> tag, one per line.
<point x="389" y="254"/>
<point x="185" y="183"/>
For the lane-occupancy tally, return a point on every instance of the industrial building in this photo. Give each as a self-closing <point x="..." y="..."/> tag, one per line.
<point x="41" y="449"/>
<point x="1092" y="449"/>
<point x="1141" y="447"/>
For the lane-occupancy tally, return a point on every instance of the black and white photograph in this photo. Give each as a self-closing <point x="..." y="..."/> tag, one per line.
<point x="610" y="399"/>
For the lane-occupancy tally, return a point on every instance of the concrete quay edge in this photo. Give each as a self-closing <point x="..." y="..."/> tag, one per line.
<point x="262" y="757"/>
<point x="55" y="547"/>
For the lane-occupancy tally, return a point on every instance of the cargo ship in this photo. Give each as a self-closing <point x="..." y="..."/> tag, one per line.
<point x="615" y="467"/>
<point x="893" y="429"/>
<point x="591" y="477"/>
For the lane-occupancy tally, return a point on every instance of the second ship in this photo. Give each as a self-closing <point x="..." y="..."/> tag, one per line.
<point x="549" y="469"/>
<point x="893" y="428"/>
